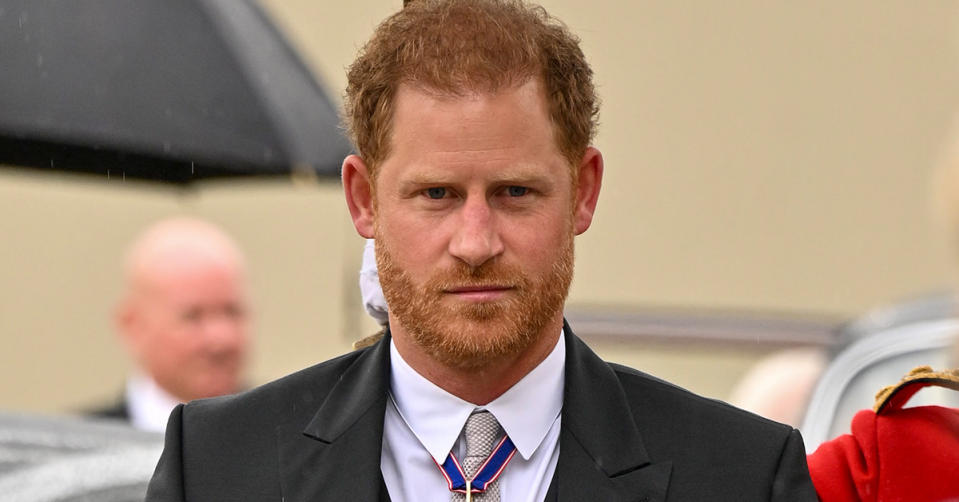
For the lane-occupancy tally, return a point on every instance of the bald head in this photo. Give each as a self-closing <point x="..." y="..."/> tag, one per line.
<point x="184" y="312"/>
<point x="177" y="245"/>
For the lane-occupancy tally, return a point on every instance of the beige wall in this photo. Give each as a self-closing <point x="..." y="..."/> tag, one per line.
<point x="763" y="157"/>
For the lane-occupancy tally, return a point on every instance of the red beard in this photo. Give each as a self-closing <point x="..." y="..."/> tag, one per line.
<point x="471" y="335"/>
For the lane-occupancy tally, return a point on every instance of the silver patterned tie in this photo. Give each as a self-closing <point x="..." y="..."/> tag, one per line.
<point x="482" y="431"/>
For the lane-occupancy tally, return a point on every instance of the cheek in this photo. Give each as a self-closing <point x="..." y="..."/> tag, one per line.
<point x="536" y="254"/>
<point x="241" y="337"/>
<point x="176" y="340"/>
<point x="414" y="240"/>
<point x="540" y="236"/>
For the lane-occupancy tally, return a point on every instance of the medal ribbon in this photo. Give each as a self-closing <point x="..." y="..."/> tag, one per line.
<point x="486" y="474"/>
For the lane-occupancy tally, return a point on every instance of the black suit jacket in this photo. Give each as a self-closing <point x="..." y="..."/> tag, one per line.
<point x="118" y="410"/>
<point x="316" y="435"/>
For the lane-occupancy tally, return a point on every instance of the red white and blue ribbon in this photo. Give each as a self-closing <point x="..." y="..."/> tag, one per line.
<point x="485" y="475"/>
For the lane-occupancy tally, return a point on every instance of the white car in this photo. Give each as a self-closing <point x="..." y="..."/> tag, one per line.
<point x="63" y="459"/>
<point x="877" y="350"/>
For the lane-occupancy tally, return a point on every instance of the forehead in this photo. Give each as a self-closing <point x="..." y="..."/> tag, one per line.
<point x="509" y="125"/>
<point x="191" y="279"/>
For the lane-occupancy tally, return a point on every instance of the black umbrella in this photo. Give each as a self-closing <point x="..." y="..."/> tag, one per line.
<point x="172" y="90"/>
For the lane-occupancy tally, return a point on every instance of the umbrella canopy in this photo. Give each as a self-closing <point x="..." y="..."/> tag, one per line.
<point x="172" y="90"/>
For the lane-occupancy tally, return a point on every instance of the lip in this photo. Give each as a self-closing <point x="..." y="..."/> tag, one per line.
<point x="480" y="293"/>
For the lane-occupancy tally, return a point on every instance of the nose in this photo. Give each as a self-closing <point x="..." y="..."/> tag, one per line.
<point x="476" y="239"/>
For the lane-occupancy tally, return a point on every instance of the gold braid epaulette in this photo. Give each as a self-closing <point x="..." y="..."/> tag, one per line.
<point x="369" y="341"/>
<point x="922" y="376"/>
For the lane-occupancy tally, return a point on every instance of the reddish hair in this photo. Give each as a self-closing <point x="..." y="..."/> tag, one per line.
<point x="462" y="46"/>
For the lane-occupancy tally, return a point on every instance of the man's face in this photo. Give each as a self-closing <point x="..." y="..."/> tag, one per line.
<point x="188" y="327"/>
<point x="474" y="223"/>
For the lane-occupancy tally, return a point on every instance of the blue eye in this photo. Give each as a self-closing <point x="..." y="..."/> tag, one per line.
<point x="436" y="192"/>
<point x="516" y="191"/>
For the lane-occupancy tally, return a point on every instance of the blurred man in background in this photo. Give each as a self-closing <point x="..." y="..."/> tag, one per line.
<point x="183" y="318"/>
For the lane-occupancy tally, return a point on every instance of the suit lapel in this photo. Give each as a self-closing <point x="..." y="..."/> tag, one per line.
<point x="602" y="456"/>
<point x="337" y="455"/>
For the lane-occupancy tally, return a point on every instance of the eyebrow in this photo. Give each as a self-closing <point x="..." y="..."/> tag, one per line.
<point x="514" y="176"/>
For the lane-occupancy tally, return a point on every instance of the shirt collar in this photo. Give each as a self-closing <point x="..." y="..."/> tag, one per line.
<point x="148" y="404"/>
<point x="526" y="411"/>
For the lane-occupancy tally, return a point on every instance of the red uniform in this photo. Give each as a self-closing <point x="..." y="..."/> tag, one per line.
<point x="894" y="454"/>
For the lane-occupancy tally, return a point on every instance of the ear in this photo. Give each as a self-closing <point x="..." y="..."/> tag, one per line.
<point x="357" y="185"/>
<point x="590" y="178"/>
<point x="126" y="322"/>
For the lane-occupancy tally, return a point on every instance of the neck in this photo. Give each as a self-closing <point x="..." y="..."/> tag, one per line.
<point x="481" y="385"/>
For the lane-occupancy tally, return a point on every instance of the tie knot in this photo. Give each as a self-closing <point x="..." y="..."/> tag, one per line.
<point x="482" y="431"/>
<point x="481" y="434"/>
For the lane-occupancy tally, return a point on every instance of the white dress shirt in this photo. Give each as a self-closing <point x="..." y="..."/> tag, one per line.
<point x="423" y="424"/>
<point x="149" y="405"/>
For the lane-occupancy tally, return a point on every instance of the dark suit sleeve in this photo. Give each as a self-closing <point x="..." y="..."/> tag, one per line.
<point x="167" y="482"/>
<point x="792" y="482"/>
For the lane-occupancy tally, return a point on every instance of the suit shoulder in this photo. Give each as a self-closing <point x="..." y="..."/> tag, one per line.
<point x="708" y="440"/>
<point x="289" y="396"/>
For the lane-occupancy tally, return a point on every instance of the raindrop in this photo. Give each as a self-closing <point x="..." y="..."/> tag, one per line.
<point x="124" y="176"/>
<point x="192" y="169"/>
<point x="166" y="147"/>
<point x="39" y="60"/>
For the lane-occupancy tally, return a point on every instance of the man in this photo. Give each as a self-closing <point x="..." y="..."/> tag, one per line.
<point x="472" y="120"/>
<point x="183" y="318"/>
